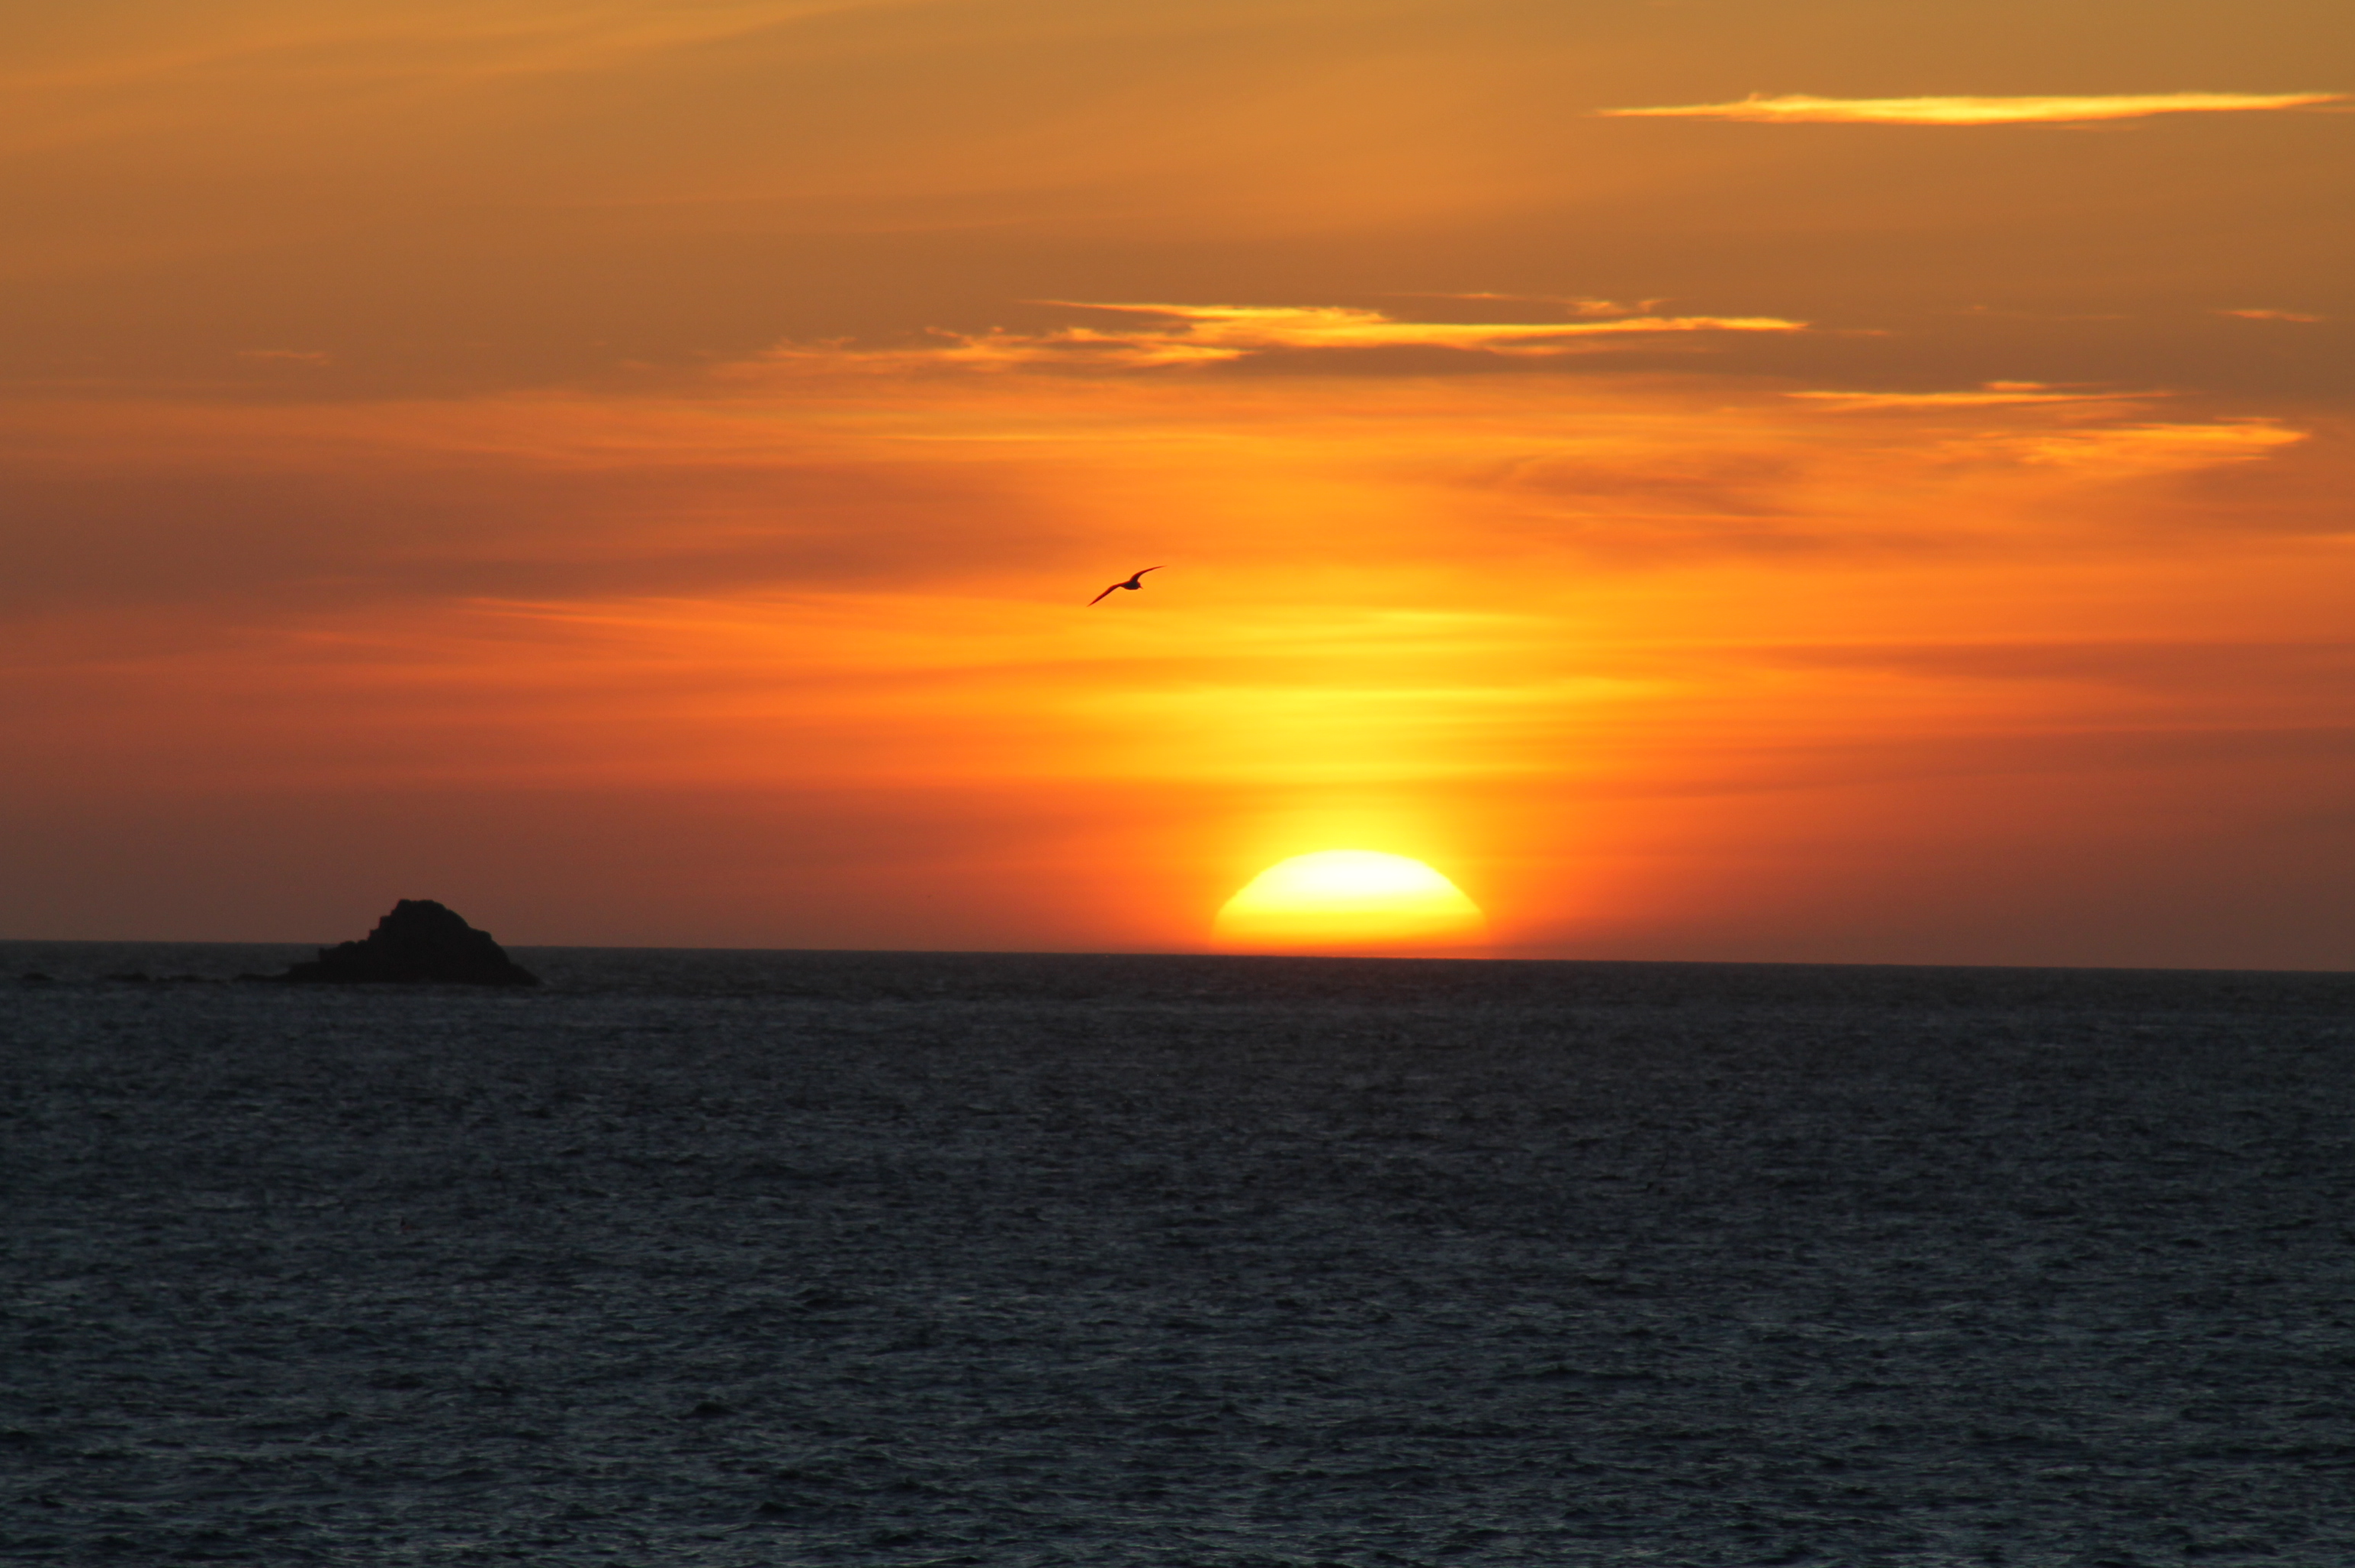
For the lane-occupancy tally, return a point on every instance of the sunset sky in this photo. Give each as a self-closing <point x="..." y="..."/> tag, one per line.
<point x="1718" y="479"/>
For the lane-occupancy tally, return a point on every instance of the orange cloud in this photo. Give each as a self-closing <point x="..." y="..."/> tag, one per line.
<point x="1577" y="304"/>
<point x="443" y="40"/>
<point x="2127" y="449"/>
<point x="2274" y="315"/>
<point x="1990" y="394"/>
<point x="1205" y="335"/>
<point x="1801" y="109"/>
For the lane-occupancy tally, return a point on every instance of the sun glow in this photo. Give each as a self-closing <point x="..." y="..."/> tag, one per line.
<point x="1342" y="899"/>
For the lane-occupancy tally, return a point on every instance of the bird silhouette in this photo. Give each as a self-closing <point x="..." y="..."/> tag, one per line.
<point x="1132" y="583"/>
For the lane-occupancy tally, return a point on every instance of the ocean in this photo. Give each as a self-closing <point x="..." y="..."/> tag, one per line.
<point x="742" y="1258"/>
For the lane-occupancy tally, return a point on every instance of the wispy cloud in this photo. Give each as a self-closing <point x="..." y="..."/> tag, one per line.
<point x="1577" y="304"/>
<point x="446" y="40"/>
<point x="2273" y="315"/>
<point x="1801" y="109"/>
<point x="1989" y="394"/>
<point x="2129" y="451"/>
<point x="1175" y="335"/>
<point x="1245" y="328"/>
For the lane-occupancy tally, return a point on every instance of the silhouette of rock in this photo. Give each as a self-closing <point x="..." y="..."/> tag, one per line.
<point x="420" y="939"/>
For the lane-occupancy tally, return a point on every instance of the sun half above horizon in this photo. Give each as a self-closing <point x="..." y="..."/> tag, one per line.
<point x="1348" y="901"/>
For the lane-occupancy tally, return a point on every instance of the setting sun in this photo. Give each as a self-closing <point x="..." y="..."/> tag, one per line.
<point x="1342" y="898"/>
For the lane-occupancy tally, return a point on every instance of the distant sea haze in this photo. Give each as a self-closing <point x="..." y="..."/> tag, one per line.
<point x="782" y="1258"/>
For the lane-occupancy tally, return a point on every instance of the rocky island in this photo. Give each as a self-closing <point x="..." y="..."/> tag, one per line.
<point x="420" y="941"/>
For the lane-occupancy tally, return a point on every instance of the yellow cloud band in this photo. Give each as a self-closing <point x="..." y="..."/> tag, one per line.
<point x="1800" y="109"/>
<point x="1207" y="334"/>
<point x="1204" y="332"/>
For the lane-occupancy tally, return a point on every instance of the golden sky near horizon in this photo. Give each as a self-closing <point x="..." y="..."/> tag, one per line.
<point x="1716" y="478"/>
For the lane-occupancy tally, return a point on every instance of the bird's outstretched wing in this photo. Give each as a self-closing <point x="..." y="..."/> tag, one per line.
<point x="1133" y="580"/>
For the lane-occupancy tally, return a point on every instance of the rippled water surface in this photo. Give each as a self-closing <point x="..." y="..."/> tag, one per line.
<point x="738" y="1258"/>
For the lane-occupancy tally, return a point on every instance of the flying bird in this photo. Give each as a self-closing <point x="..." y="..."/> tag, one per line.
<point x="1132" y="583"/>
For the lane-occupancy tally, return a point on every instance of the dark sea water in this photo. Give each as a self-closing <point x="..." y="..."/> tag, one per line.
<point x="746" y="1258"/>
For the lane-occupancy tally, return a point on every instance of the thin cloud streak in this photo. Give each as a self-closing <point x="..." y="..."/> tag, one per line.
<point x="1340" y="326"/>
<point x="423" y="40"/>
<point x="1795" y="109"/>
<point x="2126" y="450"/>
<point x="1577" y="304"/>
<point x="1991" y="394"/>
<point x="2297" y="315"/>
<point x="1208" y="335"/>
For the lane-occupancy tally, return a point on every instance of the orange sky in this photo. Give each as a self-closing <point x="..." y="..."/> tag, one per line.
<point x="1717" y="478"/>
